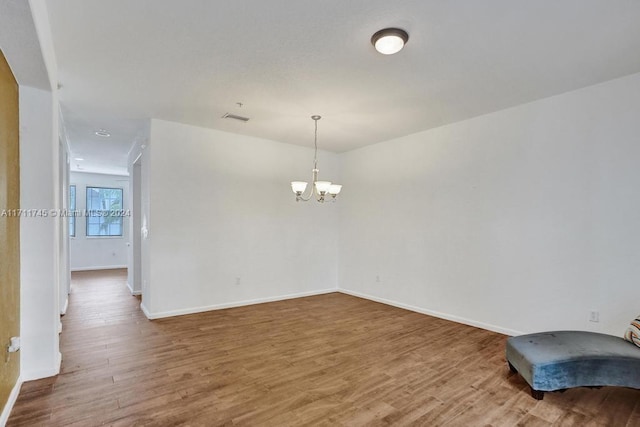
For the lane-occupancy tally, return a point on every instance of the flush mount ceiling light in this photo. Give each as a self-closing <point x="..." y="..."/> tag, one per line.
<point x="103" y="133"/>
<point x="389" y="40"/>
<point x="319" y="188"/>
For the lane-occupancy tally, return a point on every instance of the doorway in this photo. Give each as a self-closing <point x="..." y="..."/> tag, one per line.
<point x="136" y="227"/>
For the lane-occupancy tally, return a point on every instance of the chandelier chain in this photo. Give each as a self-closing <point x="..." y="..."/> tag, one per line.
<point x="315" y="143"/>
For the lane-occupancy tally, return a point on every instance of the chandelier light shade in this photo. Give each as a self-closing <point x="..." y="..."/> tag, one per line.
<point x="323" y="186"/>
<point x="298" y="186"/>
<point x="319" y="189"/>
<point x="389" y="40"/>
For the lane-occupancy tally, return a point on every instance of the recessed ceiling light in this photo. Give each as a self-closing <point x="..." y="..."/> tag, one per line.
<point x="389" y="40"/>
<point x="103" y="133"/>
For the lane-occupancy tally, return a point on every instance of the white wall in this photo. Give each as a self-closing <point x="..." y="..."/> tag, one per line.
<point x="40" y="186"/>
<point x="518" y="221"/>
<point x="95" y="253"/>
<point x="39" y="235"/>
<point x="221" y="208"/>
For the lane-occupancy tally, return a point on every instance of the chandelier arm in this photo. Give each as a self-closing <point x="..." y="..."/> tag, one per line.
<point x="315" y="179"/>
<point x="313" y="187"/>
<point x="305" y="199"/>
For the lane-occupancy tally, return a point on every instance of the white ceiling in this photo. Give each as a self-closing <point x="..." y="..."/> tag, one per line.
<point x="121" y="62"/>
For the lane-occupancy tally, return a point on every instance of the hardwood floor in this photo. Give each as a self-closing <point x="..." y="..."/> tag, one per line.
<point x="327" y="360"/>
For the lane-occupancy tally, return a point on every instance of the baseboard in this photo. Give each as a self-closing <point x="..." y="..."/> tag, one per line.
<point x="232" y="304"/>
<point x="145" y="311"/>
<point x="134" y="293"/>
<point x="100" y="267"/>
<point x="433" y="313"/>
<point x="13" y="396"/>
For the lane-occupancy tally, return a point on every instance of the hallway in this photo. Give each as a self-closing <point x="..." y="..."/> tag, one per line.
<point x="100" y="345"/>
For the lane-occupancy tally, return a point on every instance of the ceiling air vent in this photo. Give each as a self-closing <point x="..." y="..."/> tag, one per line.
<point x="235" y="117"/>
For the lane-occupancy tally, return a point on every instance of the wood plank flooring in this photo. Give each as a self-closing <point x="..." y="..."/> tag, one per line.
<point x="329" y="360"/>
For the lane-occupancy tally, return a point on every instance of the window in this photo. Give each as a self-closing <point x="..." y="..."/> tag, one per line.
<point x="104" y="211"/>
<point x="72" y="208"/>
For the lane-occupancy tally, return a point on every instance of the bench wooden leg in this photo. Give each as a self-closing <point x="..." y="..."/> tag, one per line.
<point x="537" y="394"/>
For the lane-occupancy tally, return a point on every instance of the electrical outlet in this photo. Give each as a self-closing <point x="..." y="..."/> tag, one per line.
<point x="237" y="281"/>
<point x="594" y="316"/>
<point x="377" y="279"/>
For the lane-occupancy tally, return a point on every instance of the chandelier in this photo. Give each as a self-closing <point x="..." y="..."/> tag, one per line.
<point x="320" y="189"/>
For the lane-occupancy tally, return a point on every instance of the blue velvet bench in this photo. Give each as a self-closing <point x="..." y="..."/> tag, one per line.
<point x="551" y="361"/>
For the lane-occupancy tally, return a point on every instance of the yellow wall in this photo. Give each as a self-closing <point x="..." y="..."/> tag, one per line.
<point x="9" y="229"/>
